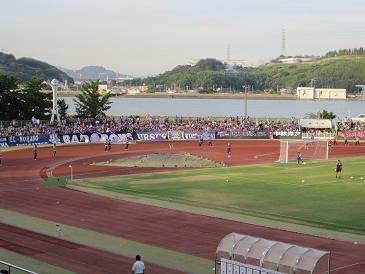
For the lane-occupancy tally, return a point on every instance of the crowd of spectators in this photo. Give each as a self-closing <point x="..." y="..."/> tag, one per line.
<point x="144" y="124"/>
<point x="349" y="124"/>
<point x="155" y="123"/>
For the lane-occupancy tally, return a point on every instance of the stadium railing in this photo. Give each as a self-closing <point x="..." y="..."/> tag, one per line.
<point x="11" y="266"/>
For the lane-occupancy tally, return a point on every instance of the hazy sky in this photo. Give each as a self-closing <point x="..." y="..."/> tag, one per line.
<point x="144" y="37"/>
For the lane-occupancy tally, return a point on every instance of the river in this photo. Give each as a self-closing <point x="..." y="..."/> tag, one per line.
<point x="228" y="107"/>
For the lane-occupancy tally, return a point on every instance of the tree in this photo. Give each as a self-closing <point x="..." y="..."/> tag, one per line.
<point x="322" y="115"/>
<point x="62" y="108"/>
<point x="22" y="103"/>
<point x="9" y="98"/>
<point x="90" y="102"/>
<point x="35" y="102"/>
<point x="326" y="115"/>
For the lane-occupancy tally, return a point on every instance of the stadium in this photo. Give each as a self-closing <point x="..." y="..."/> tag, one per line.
<point x="169" y="189"/>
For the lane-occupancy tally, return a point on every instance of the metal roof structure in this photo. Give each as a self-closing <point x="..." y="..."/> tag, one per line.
<point x="276" y="256"/>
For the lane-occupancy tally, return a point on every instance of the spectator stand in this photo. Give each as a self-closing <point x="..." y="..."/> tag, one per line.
<point x="317" y="129"/>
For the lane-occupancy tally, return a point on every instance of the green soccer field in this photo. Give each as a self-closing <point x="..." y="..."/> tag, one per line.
<point x="307" y="194"/>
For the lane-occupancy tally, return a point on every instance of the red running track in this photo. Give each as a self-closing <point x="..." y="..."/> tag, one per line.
<point x="75" y="257"/>
<point x="185" y="232"/>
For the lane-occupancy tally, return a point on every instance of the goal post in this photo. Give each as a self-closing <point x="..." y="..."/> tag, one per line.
<point x="309" y="149"/>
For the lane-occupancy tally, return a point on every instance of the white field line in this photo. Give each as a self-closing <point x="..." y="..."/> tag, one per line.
<point x="347" y="266"/>
<point x="262" y="155"/>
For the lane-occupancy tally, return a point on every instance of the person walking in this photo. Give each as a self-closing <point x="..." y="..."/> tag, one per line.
<point x="109" y="145"/>
<point x="54" y="148"/>
<point x="106" y="145"/>
<point x="138" y="266"/>
<point x="229" y="150"/>
<point x="357" y="141"/>
<point x="200" y="143"/>
<point x="338" y="169"/>
<point x="35" y="150"/>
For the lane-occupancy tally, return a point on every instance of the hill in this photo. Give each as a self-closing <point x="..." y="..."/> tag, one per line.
<point x="25" y="69"/>
<point x="210" y="75"/>
<point x="92" y="73"/>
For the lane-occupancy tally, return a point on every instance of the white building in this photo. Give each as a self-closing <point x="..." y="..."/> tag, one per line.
<point x="312" y="93"/>
<point x="294" y="60"/>
<point x="231" y="62"/>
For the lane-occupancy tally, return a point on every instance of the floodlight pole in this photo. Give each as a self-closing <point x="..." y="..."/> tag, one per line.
<point x="246" y="88"/>
<point x="55" y="85"/>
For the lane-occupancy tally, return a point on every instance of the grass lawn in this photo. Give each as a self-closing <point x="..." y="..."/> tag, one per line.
<point x="303" y="194"/>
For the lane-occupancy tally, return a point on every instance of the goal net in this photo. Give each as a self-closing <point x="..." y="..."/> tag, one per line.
<point x="309" y="149"/>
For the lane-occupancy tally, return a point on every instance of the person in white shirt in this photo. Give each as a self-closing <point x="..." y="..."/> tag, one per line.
<point x="138" y="266"/>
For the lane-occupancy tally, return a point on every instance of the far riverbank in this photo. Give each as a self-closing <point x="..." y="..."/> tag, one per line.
<point x="190" y="95"/>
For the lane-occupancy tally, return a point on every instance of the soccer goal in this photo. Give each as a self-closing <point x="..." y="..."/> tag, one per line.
<point x="309" y="149"/>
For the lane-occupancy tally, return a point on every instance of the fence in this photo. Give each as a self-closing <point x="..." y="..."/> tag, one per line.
<point x="9" y="267"/>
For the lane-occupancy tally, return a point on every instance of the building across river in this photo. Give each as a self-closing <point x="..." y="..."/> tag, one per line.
<point x="311" y="93"/>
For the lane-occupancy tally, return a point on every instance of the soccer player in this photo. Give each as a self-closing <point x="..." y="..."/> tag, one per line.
<point x="338" y="169"/>
<point x="200" y="143"/>
<point x="54" y="148"/>
<point x="35" y="151"/>
<point x="106" y="145"/>
<point x="229" y="150"/>
<point x="346" y="142"/>
<point x="299" y="158"/>
<point x="109" y="145"/>
<point x="357" y="141"/>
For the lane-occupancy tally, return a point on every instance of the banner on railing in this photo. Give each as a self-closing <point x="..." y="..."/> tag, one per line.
<point x="351" y="134"/>
<point x="66" y="139"/>
<point x="175" y="135"/>
<point x="24" y="140"/>
<point x="152" y="136"/>
<point x="242" y="134"/>
<point x="196" y="135"/>
<point x="287" y="134"/>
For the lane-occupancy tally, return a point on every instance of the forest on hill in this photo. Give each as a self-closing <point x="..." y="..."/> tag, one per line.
<point x="210" y="75"/>
<point x="24" y="69"/>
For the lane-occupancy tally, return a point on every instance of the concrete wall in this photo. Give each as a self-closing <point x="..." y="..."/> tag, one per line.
<point x="321" y="93"/>
<point x="305" y="93"/>
<point x="330" y="93"/>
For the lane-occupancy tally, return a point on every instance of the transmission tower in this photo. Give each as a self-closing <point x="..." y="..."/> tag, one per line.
<point x="228" y="52"/>
<point x="283" y="42"/>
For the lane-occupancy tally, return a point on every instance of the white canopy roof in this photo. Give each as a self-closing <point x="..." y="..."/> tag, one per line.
<point x="315" y="123"/>
<point x="273" y="255"/>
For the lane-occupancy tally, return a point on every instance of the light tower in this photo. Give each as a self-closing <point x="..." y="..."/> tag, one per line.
<point x="55" y="85"/>
<point x="363" y="90"/>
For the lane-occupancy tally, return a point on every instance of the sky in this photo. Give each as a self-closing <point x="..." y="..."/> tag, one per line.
<point x="148" y="37"/>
